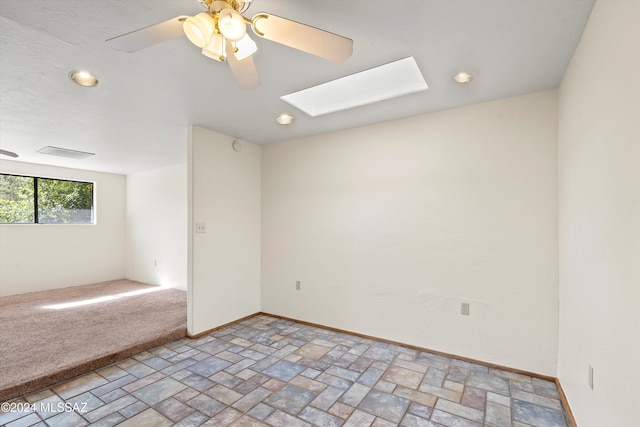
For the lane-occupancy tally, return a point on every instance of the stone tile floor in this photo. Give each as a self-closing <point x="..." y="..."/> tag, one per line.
<point x="271" y="372"/>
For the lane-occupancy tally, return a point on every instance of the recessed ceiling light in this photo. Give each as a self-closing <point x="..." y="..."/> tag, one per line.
<point x="463" y="77"/>
<point x="284" y="119"/>
<point x="83" y="78"/>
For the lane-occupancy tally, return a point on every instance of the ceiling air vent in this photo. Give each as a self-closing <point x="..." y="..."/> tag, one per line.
<point x="64" y="152"/>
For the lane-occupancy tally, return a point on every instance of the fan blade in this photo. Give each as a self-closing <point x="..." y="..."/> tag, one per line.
<point x="302" y="37"/>
<point x="244" y="71"/>
<point x="148" y="36"/>
<point x="8" y="153"/>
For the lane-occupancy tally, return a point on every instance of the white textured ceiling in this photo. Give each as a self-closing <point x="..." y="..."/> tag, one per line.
<point x="137" y="117"/>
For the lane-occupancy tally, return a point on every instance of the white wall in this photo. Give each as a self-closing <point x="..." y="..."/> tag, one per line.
<point x="157" y="226"/>
<point x="390" y="227"/>
<point x="37" y="257"/>
<point x="599" y="222"/>
<point x="224" y="194"/>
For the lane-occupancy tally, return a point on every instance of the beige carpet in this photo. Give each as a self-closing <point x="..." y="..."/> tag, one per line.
<point x="42" y="342"/>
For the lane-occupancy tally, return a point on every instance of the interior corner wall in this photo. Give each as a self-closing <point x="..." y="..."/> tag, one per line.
<point x="599" y="219"/>
<point x="157" y="227"/>
<point x="39" y="257"/>
<point x="224" y="259"/>
<point x="390" y="227"/>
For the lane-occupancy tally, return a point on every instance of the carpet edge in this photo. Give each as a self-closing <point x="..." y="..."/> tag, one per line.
<point x="48" y="380"/>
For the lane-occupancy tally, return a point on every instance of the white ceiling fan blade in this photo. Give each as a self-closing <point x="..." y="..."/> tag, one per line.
<point x="8" y="153"/>
<point x="302" y="37"/>
<point x="244" y="71"/>
<point x="148" y="36"/>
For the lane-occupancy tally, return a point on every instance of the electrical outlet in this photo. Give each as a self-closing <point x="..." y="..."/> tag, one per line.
<point x="201" y="227"/>
<point x="297" y="285"/>
<point x="591" y="377"/>
<point x="464" y="308"/>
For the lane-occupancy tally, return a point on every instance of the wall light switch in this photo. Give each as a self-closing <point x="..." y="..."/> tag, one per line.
<point x="201" y="227"/>
<point x="591" y="377"/>
<point x="297" y="285"/>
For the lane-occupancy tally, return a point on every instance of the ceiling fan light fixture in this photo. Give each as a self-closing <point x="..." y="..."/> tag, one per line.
<point x="199" y="29"/>
<point x="216" y="49"/>
<point x="231" y="24"/>
<point x="225" y="23"/>
<point x="245" y="47"/>
<point x="242" y="6"/>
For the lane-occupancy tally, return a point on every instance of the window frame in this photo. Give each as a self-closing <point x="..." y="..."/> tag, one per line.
<point x="35" y="200"/>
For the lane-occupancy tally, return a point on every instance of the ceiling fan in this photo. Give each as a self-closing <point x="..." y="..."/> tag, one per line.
<point x="221" y="33"/>
<point x="8" y="153"/>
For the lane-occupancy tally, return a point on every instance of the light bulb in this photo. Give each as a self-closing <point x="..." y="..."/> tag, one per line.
<point x="216" y="49"/>
<point x="285" y="119"/>
<point x="199" y="28"/>
<point x="463" y="77"/>
<point x="231" y="24"/>
<point x="83" y="78"/>
<point x="245" y="47"/>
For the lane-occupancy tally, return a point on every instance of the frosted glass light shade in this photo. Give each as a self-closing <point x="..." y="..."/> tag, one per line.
<point x="245" y="47"/>
<point x="199" y="29"/>
<point x="231" y="24"/>
<point x="216" y="49"/>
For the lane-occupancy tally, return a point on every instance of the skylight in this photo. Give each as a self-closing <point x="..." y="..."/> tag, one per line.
<point x="377" y="84"/>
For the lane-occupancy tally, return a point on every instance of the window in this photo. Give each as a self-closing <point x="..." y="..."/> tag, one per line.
<point x="32" y="200"/>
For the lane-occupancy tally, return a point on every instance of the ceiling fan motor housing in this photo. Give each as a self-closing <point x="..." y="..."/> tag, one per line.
<point x="218" y="5"/>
